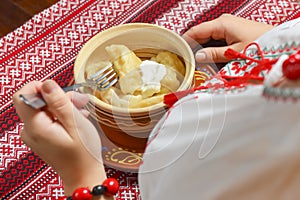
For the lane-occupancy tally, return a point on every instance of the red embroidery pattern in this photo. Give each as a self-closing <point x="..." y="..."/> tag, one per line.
<point x="46" y="47"/>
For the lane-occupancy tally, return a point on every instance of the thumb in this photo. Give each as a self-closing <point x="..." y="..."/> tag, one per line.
<point x="216" y="54"/>
<point x="58" y="103"/>
<point x="211" y="54"/>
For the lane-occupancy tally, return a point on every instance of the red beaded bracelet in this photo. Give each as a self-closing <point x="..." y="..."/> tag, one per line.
<point x="109" y="186"/>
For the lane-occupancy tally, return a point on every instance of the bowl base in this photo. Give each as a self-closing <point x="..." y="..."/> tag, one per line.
<point x="124" y="140"/>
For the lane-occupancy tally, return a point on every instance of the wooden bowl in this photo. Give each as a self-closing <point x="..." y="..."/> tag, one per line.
<point x="130" y="127"/>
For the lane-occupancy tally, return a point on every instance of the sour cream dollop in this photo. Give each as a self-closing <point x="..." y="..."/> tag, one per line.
<point x="152" y="74"/>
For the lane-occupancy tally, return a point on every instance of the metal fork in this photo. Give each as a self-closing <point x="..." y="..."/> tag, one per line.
<point x="101" y="80"/>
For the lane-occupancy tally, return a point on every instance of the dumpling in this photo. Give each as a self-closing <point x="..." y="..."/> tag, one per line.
<point x="141" y="83"/>
<point x="124" y="59"/>
<point x="95" y="67"/>
<point x="170" y="80"/>
<point x="170" y="60"/>
<point x="131" y="82"/>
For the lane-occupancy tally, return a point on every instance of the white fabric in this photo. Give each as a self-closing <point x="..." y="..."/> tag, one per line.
<point x="226" y="146"/>
<point x="284" y="34"/>
<point x="275" y="73"/>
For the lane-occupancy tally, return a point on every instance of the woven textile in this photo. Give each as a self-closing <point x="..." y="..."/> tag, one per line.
<point x="46" y="46"/>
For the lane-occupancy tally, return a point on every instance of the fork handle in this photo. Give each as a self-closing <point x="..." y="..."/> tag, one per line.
<point x="72" y="87"/>
<point x="36" y="100"/>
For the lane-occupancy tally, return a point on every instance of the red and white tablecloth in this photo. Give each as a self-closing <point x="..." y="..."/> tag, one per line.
<point x="46" y="46"/>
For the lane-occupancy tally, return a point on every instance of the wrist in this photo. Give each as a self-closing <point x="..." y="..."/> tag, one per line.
<point x="88" y="177"/>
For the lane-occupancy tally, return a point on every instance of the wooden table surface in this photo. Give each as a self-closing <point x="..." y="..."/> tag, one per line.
<point x="14" y="13"/>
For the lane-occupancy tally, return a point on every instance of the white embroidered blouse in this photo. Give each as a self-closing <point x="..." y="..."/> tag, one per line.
<point x="229" y="144"/>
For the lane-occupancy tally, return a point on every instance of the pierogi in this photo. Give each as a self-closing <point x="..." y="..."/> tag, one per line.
<point x="141" y="83"/>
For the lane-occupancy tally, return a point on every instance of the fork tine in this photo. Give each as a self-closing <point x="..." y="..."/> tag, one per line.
<point x="98" y="79"/>
<point x="105" y="80"/>
<point x="93" y="76"/>
<point x="110" y="84"/>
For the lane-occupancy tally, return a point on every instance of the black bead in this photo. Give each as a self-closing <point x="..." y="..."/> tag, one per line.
<point x="69" y="198"/>
<point x="99" y="190"/>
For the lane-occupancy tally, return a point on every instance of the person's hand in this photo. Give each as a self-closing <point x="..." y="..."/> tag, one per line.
<point x="235" y="31"/>
<point x="61" y="135"/>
